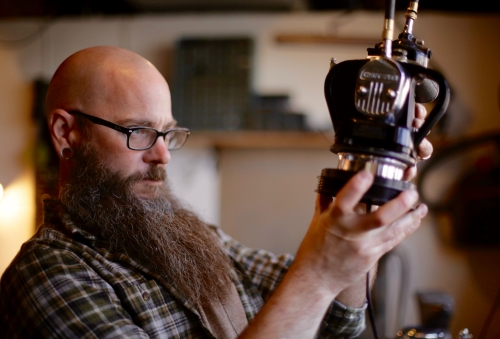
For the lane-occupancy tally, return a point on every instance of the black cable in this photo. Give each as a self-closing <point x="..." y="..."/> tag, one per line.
<point x="489" y="318"/>
<point x="404" y="283"/>
<point x="368" y="294"/>
<point x="370" y="306"/>
<point x="390" y="8"/>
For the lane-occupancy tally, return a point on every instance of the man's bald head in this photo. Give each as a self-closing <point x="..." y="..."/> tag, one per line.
<point x="120" y="87"/>
<point x="96" y="76"/>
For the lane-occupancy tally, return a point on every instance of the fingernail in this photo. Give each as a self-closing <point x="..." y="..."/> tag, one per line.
<point x="413" y="194"/>
<point x="365" y="175"/>
<point x="422" y="209"/>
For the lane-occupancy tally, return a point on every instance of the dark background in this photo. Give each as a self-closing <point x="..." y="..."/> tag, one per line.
<point x="56" y="8"/>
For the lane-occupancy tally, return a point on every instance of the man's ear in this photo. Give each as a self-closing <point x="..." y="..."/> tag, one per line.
<point x="63" y="130"/>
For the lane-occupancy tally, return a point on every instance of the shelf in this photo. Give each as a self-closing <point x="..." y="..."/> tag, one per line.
<point x="260" y="139"/>
<point x="324" y="39"/>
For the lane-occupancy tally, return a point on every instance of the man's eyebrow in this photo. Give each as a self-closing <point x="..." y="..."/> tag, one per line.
<point x="170" y="124"/>
<point x="145" y="123"/>
<point x="135" y="122"/>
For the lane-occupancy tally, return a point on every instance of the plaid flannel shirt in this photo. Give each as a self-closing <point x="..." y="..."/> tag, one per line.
<point x="65" y="283"/>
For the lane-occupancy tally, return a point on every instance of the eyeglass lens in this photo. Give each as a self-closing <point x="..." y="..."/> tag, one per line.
<point x="144" y="138"/>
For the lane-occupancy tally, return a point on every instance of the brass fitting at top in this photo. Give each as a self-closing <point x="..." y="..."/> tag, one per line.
<point x="411" y="11"/>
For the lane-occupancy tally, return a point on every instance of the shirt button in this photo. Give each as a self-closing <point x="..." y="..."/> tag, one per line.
<point x="146" y="296"/>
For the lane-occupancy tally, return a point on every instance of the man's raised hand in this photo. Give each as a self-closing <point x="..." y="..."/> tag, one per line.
<point x="344" y="243"/>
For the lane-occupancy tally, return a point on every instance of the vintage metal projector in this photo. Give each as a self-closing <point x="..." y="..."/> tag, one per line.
<point x="372" y="107"/>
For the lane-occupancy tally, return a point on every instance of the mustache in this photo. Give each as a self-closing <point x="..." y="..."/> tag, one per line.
<point x="154" y="173"/>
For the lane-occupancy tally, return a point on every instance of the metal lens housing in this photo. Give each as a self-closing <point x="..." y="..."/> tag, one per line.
<point x="386" y="168"/>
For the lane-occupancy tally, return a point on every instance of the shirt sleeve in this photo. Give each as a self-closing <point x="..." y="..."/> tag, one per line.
<point x="267" y="270"/>
<point x="53" y="294"/>
<point x="341" y="321"/>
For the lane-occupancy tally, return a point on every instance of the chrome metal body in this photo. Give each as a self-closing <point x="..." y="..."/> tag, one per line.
<point x="382" y="87"/>
<point x="386" y="168"/>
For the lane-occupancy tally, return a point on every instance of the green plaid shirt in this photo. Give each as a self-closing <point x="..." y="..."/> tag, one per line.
<point x="64" y="283"/>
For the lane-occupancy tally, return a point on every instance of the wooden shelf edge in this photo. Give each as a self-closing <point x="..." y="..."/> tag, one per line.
<point x="323" y="39"/>
<point x="260" y="139"/>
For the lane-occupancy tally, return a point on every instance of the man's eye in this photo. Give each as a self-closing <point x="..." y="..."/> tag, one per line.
<point x="138" y="132"/>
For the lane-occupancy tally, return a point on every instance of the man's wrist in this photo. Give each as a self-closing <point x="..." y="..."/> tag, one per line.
<point x="355" y="295"/>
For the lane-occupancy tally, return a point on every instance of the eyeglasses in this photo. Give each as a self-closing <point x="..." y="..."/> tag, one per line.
<point x="143" y="138"/>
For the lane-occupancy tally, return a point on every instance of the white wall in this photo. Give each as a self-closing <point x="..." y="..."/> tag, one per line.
<point x="267" y="196"/>
<point x="265" y="199"/>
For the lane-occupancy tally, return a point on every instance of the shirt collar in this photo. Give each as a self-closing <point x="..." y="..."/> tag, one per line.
<point x="56" y="213"/>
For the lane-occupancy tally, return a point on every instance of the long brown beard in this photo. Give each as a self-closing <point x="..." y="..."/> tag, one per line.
<point x="157" y="232"/>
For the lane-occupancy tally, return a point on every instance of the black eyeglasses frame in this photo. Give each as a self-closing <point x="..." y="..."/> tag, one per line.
<point x="129" y="130"/>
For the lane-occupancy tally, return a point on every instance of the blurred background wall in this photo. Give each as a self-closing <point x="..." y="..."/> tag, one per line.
<point x="264" y="196"/>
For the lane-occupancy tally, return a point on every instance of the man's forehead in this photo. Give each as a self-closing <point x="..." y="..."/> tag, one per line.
<point x="141" y="98"/>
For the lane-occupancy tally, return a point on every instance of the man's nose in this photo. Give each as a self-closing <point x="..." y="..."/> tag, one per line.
<point x="158" y="153"/>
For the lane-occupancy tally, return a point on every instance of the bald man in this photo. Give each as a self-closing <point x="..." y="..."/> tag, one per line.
<point x="118" y="256"/>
